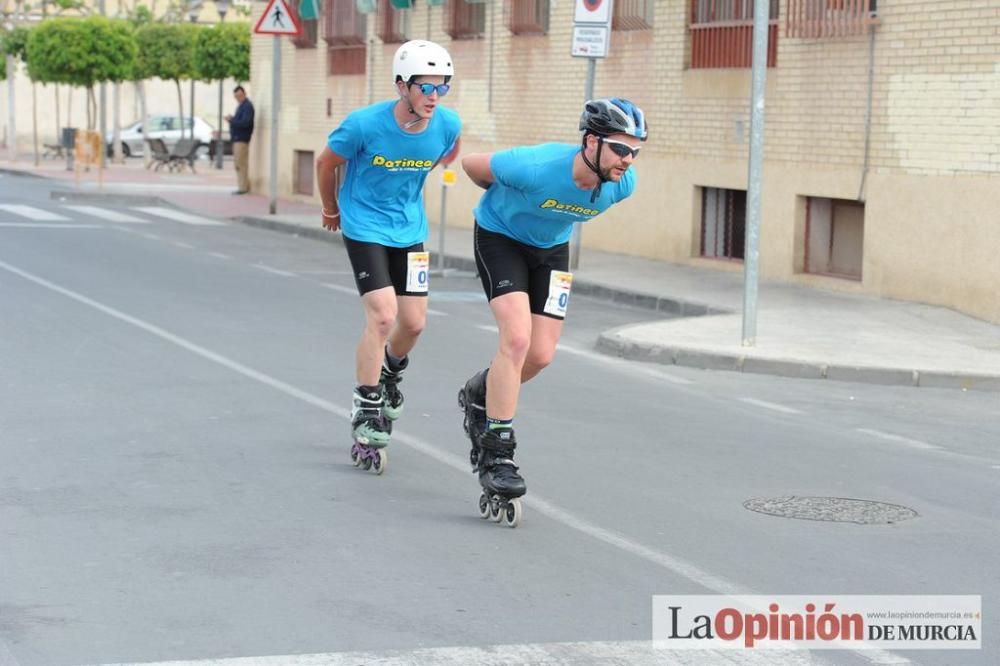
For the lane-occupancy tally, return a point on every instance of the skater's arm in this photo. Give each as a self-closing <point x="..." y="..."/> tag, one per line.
<point x="477" y="166"/>
<point x="326" y="173"/>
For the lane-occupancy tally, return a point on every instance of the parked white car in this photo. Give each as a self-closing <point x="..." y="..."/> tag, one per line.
<point x="167" y="128"/>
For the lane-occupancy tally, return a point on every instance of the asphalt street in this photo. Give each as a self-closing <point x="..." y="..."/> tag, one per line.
<point x="175" y="482"/>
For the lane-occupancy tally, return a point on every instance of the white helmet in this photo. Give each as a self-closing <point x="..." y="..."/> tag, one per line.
<point x="421" y="58"/>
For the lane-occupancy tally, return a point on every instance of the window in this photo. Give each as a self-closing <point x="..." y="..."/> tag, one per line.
<point x="722" y="33"/>
<point x="304" y="169"/>
<point x="723" y="223"/>
<point x="308" y="16"/>
<point x="465" y="20"/>
<point x="632" y="15"/>
<point x="829" y="18"/>
<point x="393" y="24"/>
<point x="835" y="230"/>
<point x="527" y="17"/>
<point x="345" y="30"/>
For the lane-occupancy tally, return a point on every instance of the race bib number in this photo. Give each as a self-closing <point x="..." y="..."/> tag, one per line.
<point x="417" y="266"/>
<point x="559" y="286"/>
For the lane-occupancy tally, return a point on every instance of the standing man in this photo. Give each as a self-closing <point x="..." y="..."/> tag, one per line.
<point x="533" y="196"/>
<point x="389" y="149"/>
<point x="240" y="131"/>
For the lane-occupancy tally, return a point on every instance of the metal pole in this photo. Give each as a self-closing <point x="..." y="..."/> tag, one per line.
<point x="576" y="240"/>
<point x="219" y="146"/>
<point x="489" y="90"/>
<point x="275" y="101"/>
<point x="751" y="247"/>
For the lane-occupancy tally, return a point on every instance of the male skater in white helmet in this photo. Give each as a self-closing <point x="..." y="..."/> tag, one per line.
<point x="389" y="149"/>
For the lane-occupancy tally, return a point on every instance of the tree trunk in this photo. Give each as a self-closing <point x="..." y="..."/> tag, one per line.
<point x="11" y="113"/>
<point x="180" y="105"/>
<point x="140" y="90"/>
<point x="192" y="108"/>
<point x="91" y="107"/>
<point x="58" y="119"/>
<point x="116" y="131"/>
<point x="69" y="106"/>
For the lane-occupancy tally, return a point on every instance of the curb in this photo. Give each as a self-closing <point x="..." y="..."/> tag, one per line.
<point x="669" y="306"/>
<point x="613" y="343"/>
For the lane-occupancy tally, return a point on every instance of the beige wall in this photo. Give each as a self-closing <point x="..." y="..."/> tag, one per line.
<point x="931" y="184"/>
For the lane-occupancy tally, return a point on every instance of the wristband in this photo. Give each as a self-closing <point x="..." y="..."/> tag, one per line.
<point x="329" y="215"/>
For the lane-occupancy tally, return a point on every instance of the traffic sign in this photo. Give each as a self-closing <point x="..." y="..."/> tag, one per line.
<point x="592" y="11"/>
<point x="278" y="19"/>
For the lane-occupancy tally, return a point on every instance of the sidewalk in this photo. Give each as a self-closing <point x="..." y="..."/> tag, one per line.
<point x="801" y="331"/>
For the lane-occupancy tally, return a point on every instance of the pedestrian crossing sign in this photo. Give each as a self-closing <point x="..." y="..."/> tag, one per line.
<point x="278" y="19"/>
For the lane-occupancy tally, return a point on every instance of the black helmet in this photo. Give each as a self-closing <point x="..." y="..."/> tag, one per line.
<point x="613" y="116"/>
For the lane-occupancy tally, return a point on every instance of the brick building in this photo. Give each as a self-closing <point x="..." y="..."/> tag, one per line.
<point x="882" y="144"/>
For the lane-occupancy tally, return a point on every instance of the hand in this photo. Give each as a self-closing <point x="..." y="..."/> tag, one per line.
<point x="331" y="223"/>
<point x="229" y="118"/>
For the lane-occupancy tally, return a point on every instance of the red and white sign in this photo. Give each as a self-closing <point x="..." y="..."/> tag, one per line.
<point x="592" y="11"/>
<point x="278" y="19"/>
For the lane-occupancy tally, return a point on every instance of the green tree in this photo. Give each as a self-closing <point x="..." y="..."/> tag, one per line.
<point x="223" y="52"/>
<point x="166" y="51"/>
<point x="82" y="52"/>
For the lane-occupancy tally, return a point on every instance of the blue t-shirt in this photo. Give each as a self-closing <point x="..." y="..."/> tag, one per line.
<point x="533" y="198"/>
<point x="382" y="197"/>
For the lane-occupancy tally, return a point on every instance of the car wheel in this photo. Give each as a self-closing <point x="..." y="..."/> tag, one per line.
<point x="126" y="151"/>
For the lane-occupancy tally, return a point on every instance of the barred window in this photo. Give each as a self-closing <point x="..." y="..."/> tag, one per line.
<point x="632" y="15"/>
<point x="343" y="24"/>
<point x="308" y="15"/>
<point x="829" y="18"/>
<point x="723" y="223"/>
<point x="527" y="17"/>
<point x="722" y="33"/>
<point x="393" y="24"/>
<point x="465" y="20"/>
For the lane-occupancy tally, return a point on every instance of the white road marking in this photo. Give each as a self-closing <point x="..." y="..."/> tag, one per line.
<point x="186" y="246"/>
<point x="773" y="406"/>
<point x="637" y="653"/>
<point x="49" y="225"/>
<point x="32" y="213"/>
<point x="274" y="271"/>
<point x="619" y="364"/>
<point x="436" y="313"/>
<point x="219" y="255"/>
<point x="488" y="327"/>
<point x="460" y="464"/>
<point x="178" y="216"/>
<point x="899" y="439"/>
<point x="109" y="215"/>
<point x="151" y="237"/>
<point x="341" y="289"/>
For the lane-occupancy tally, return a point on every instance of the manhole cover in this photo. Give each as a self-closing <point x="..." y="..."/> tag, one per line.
<point x="832" y="509"/>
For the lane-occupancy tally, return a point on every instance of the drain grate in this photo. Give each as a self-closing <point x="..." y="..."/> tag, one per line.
<point x="831" y="509"/>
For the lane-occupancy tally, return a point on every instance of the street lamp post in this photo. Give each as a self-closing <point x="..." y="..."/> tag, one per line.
<point x="194" y="8"/>
<point x="222" y="6"/>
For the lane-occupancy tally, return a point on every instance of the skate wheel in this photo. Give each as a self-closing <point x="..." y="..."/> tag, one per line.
<point x="381" y="460"/>
<point x="513" y="513"/>
<point x="484" y="506"/>
<point x="495" y="513"/>
<point x="461" y="399"/>
<point x="366" y="463"/>
<point x="355" y="458"/>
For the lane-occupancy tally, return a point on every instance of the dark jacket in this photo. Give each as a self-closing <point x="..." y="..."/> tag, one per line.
<point x="241" y="126"/>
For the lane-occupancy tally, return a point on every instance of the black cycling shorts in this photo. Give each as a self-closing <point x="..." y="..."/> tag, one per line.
<point x="375" y="266"/>
<point x="506" y="265"/>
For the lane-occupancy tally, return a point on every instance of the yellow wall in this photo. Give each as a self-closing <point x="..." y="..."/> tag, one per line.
<point x="931" y="181"/>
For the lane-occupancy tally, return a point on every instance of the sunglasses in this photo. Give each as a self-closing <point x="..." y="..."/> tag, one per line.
<point x="427" y="89"/>
<point x="621" y="149"/>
